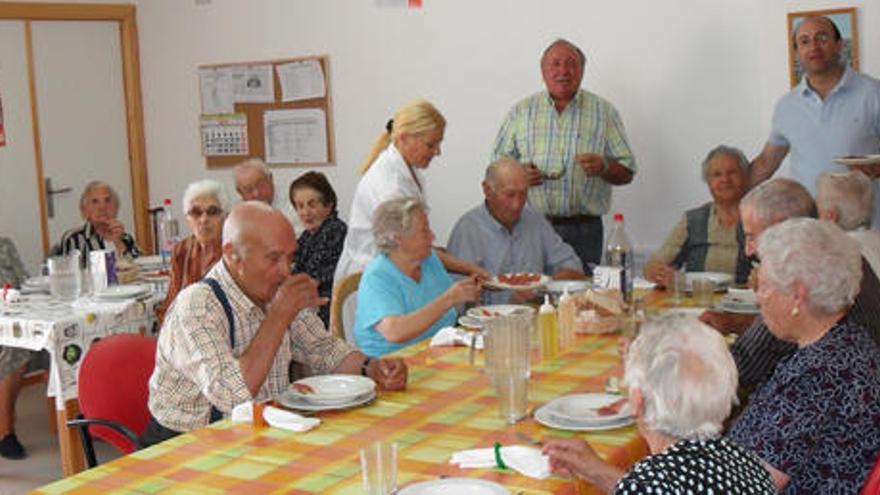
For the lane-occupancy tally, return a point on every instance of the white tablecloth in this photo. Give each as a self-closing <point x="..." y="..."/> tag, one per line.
<point x="67" y="330"/>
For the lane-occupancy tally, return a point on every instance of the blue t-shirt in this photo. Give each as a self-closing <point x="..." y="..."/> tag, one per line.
<point x="385" y="291"/>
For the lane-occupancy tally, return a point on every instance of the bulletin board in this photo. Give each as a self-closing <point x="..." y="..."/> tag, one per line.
<point x="278" y="110"/>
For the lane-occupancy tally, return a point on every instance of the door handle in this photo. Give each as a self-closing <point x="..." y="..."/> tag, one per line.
<point x="50" y="193"/>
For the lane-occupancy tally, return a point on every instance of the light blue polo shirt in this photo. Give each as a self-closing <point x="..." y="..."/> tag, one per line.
<point x="816" y="131"/>
<point x="385" y="291"/>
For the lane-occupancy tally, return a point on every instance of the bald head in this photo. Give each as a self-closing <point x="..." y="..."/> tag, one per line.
<point x="253" y="181"/>
<point x="249" y="223"/>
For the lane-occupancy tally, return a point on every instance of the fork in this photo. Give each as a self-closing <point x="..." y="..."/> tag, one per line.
<point x="527" y="439"/>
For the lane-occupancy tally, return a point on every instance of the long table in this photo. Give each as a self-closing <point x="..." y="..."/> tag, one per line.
<point x="448" y="406"/>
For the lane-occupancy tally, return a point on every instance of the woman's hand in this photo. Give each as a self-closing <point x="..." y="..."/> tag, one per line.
<point x="570" y="457"/>
<point x="390" y="373"/>
<point x="465" y="290"/>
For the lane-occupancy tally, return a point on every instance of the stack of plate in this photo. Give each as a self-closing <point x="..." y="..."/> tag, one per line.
<point x="580" y="412"/>
<point x="122" y="292"/>
<point x="476" y="317"/>
<point x="466" y="486"/>
<point x="741" y="301"/>
<point x="149" y="263"/>
<point x="35" y="285"/>
<point x="326" y="392"/>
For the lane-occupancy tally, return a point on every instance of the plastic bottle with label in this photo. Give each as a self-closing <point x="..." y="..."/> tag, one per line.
<point x="168" y="233"/>
<point x="566" y="312"/>
<point x="547" y="330"/>
<point x="619" y="253"/>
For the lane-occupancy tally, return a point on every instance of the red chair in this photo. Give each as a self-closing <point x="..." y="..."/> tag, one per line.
<point x="872" y="484"/>
<point x="113" y="392"/>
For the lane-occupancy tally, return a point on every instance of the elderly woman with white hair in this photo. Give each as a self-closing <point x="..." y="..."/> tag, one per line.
<point x="709" y="237"/>
<point x="816" y="422"/>
<point x="682" y="384"/>
<point x="405" y="294"/>
<point x="847" y="199"/>
<point x="205" y="204"/>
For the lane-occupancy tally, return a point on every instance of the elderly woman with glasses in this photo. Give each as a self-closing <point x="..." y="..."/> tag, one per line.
<point x="405" y="294"/>
<point x="816" y="422"/>
<point x="682" y="384"/>
<point x="205" y="204"/>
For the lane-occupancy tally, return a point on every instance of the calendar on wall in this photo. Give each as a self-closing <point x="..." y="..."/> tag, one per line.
<point x="224" y="135"/>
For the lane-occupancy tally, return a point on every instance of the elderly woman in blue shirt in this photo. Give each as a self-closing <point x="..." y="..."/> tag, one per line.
<point x="816" y="421"/>
<point x="405" y="294"/>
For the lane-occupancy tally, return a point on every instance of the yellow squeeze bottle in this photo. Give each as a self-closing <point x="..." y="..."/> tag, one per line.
<point x="565" y="320"/>
<point x="548" y="330"/>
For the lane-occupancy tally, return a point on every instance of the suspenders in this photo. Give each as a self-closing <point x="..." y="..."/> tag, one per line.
<point x="216" y="415"/>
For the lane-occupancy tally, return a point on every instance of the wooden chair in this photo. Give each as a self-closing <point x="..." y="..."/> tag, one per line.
<point x="341" y="291"/>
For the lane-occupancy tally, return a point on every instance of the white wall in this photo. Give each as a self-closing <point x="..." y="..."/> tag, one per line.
<point x="684" y="80"/>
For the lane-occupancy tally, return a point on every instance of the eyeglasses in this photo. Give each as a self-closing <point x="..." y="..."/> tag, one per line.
<point x="806" y="40"/>
<point x="211" y="211"/>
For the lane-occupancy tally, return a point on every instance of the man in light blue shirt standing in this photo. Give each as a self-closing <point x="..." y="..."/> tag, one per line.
<point x="503" y="235"/>
<point x="833" y="112"/>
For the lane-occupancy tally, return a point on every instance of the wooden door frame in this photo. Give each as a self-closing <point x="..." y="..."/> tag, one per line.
<point x="125" y="16"/>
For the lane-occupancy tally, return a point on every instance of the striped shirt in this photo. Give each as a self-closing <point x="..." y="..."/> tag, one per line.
<point x="196" y="368"/>
<point x="534" y="132"/>
<point x="85" y="240"/>
<point x="757" y="351"/>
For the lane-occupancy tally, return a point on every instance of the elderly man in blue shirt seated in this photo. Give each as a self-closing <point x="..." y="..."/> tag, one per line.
<point x="504" y="235"/>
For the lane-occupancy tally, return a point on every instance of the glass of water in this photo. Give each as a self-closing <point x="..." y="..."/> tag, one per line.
<point x="65" y="276"/>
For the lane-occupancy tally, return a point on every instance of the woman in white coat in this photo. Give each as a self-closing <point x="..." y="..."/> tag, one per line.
<point x="395" y="169"/>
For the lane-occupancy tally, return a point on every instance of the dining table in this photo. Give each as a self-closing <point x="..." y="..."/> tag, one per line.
<point x="447" y="406"/>
<point x="66" y="329"/>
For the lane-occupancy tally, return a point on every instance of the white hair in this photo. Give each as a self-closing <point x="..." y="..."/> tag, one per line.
<point x="686" y="375"/>
<point x="254" y="163"/>
<point x="205" y="187"/>
<point x="393" y="218"/>
<point x="850" y="194"/>
<point x="237" y="223"/>
<point x="497" y="169"/>
<point x="817" y="254"/>
<point x="778" y="199"/>
<point x="724" y="150"/>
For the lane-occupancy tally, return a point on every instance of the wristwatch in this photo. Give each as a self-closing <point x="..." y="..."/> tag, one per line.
<point x="365" y="365"/>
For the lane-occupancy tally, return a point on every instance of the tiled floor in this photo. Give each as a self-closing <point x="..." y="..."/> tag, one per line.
<point x="43" y="464"/>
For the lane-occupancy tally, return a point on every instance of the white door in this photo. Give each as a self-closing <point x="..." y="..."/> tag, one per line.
<point x="81" y="122"/>
<point x="81" y="110"/>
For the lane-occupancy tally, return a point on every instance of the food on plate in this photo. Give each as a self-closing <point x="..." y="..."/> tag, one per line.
<point x="613" y="408"/>
<point x="519" y="278"/>
<point x="303" y="388"/>
<point x="489" y="314"/>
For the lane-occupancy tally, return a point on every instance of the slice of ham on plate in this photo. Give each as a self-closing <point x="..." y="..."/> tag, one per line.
<point x="518" y="281"/>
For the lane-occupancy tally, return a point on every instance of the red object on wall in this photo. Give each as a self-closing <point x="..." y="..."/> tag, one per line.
<point x="414" y="4"/>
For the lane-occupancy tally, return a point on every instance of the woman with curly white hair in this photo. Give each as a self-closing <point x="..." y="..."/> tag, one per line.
<point x="405" y="294"/>
<point x="816" y="422"/>
<point x="682" y="384"/>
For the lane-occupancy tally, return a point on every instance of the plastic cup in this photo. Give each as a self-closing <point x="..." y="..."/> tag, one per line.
<point x="704" y="291"/>
<point x="678" y="286"/>
<point x="379" y="468"/>
<point x="65" y="276"/>
<point x="512" y="390"/>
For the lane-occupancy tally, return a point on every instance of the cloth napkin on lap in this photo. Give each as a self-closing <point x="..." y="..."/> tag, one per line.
<point x="447" y="336"/>
<point x="278" y="418"/>
<point x="526" y="460"/>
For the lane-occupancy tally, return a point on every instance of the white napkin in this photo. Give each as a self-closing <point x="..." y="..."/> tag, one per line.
<point x="526" y="460"/>
<point x="456" y="336"/>
<point x="278" y="418"/>
<point x="11" y="296"/>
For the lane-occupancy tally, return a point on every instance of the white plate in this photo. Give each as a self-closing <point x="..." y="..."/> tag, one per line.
<point x="484" y="313"/>
<point x="494" y="283"/>
<point x="858" y="160"/>
<point x="457" y="486"/>
<point x="292" y="401"/>
<point x="334" y="389"/>
<point x="727" y="306"/>
<point x="470" y="321"/>
<point x="572" y="286"/>
<point x="582" y="408"/>
<point x="722" y="280"/>
<point x="117" y="292"/>
<point x="547" y="418"/>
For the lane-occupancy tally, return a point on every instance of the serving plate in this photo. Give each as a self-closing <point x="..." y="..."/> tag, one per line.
<point x="583" y="408"/>
<point x="458" y="486"/>
<point x="332" y="389"/>
<point x="484" y="313"/>
<point x="496" y="283"/>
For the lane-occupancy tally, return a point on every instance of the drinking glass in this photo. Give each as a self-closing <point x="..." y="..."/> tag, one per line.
<point x="65" y="276"/>
<point x="704" y="291"/>
<point x="379" y="468"/>
<point x="507" y="362"/>
<point x="678" y="286"/>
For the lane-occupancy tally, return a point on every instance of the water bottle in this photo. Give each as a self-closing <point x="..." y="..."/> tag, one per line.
<point x="619" y="253"/>
<point x="168" y="233"/>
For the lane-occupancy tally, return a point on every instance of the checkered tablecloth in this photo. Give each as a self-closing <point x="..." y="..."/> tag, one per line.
<point x="448" y="406"/>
